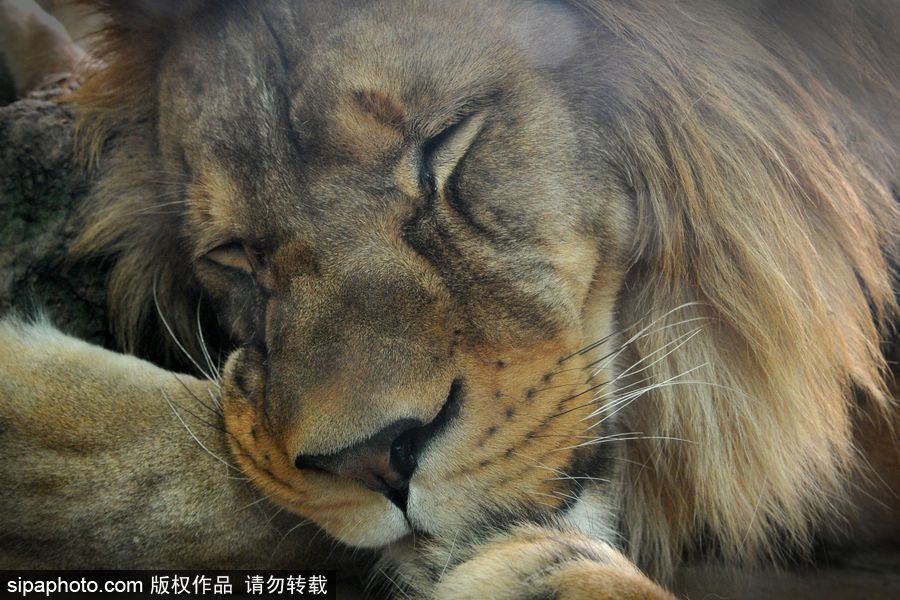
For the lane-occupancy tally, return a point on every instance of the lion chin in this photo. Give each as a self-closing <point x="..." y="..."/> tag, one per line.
<point x="546" y="295"/>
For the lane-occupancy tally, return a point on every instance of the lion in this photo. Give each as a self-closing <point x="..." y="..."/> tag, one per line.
<point x="531" y="299"/>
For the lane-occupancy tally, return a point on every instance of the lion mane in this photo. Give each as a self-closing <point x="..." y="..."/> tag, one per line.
<point x="762" y="177"/>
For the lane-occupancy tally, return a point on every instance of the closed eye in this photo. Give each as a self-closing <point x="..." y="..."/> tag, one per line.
<point x="442" y="154"/>
<point x="235" y="255"/>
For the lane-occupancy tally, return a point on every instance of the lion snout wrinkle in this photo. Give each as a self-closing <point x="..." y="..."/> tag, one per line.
<point x="322" y="412"/>
<point x="381" y="345"/>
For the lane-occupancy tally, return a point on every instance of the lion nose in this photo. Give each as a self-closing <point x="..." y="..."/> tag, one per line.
<point x="384" y="463"/>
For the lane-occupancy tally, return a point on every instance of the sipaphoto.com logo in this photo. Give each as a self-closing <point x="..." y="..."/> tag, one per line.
<point x="39" y="583"/>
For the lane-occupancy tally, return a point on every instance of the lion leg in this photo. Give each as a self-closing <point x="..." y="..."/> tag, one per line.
<point x="36" y="47"/>
<point x="530" y="562"/>
<point x="107" y="461"/>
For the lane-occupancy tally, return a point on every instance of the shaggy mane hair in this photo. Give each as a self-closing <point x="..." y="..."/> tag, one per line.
<point x="763" y="186"/>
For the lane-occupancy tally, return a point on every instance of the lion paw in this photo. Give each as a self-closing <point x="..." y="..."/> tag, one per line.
<point x="538" y="563"/>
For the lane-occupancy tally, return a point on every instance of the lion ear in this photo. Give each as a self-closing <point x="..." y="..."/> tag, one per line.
<point x="549" y="34"/>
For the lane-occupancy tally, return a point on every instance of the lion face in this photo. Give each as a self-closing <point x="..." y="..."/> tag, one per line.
<point x="402" y="243"/>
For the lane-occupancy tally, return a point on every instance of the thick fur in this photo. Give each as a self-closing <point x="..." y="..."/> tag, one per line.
<point x="113" y="463"/>
<point x="705" y="187"/>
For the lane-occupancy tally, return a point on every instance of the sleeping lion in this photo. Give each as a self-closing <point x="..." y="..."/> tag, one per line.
<point x="498" y="299"/>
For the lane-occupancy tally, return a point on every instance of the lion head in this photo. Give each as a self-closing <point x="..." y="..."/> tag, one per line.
<point x="462" y="252"/>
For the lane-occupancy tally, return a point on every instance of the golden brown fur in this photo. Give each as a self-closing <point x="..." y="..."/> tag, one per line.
<point x="103" y="467"/>
<point x="726" y="170"/>
<point x="758" y="206"/>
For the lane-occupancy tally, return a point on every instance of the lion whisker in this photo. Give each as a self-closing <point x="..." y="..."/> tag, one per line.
<point x="608" y="357"/>
<point x="626" y="344"/>
<point x="216" y="402"/>
<point x="194" y="436"/>
<point x="619" y="390"/>
<point x="610" y="439"/>
<point x="175" y="338"/>
<point x="621" y="403"/>
<point x="688" y="382"/>
<point x="571" y="436"/>
<point x="560" y="475"/>
<point x="277" y="512"/>
<point x="565" y="495"/>
<point x="449" y="555"/>
<point x="559" y="386"/>
<point x="635" y="386"/>
<point x="616" y="391"/>
<point x="287" y="533"/>
<point x="590" y="389"/>
<point x="536" y="493"/>
<point x="580" y="478"/>
<point x="317" y="533"/>
<point x="256" y="502"/>
<point x="588" y="348"/>
<point x="678" y="343"/>
<point x="205" y="351"/>
<point x="604" y="362"/>
<point x="202" y="420"/>
<point x="217" y="413"/>
<point x="596" y="398"/>
<point x="606" y="338"/>
<point x="396" y="585"/>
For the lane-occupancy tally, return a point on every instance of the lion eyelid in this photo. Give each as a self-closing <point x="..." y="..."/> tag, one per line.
<point x="441" y="155"/>
<point x="234" y="255"/>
